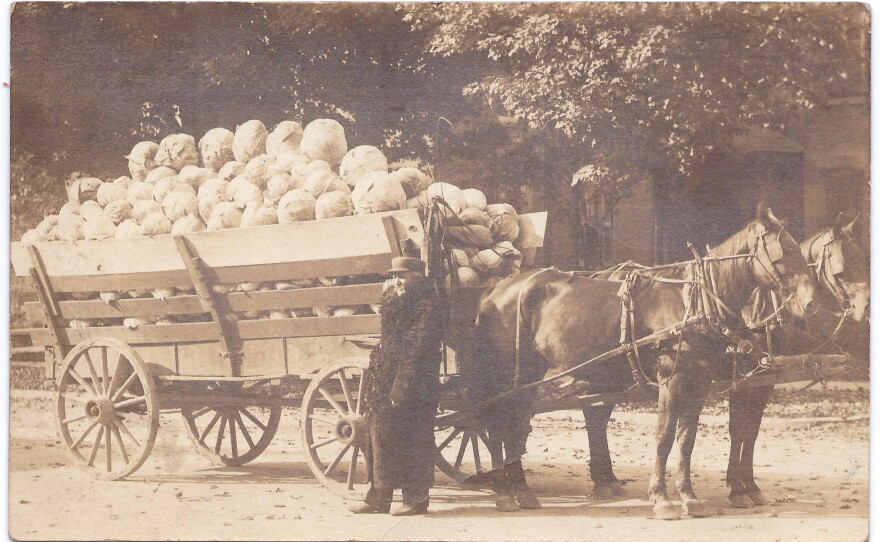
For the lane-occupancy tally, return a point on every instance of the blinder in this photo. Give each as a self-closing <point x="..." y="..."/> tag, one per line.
<point x="774" y="249"/>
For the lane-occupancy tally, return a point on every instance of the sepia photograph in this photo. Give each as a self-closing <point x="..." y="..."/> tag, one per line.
<point x="496" y="271"/>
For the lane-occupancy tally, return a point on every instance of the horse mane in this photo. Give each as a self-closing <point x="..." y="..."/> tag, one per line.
<point x="733" y="279"/>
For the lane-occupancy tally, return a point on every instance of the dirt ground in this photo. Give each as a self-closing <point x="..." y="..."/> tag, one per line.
<point x="814" y="471"/>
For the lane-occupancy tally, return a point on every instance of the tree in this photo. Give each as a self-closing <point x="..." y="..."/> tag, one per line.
<point x="648" y="87"/>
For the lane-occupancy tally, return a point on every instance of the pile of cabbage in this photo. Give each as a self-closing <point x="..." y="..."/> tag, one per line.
<point x="253" y="177"/>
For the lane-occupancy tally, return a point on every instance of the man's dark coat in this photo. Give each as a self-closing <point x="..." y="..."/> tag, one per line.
<point x="403" y="395"/>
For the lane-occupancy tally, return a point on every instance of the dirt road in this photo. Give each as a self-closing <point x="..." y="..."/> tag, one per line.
<point x="815" y="472"/>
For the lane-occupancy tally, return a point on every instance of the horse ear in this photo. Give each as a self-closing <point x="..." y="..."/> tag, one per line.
<point x="772" y="218"/>
<point x="849" y="228"/>
<point x="761" y="214"/>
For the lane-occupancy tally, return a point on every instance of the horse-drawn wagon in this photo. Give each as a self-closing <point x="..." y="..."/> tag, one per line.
<point x="237" y="343"/>
<point x="219" y="326"/>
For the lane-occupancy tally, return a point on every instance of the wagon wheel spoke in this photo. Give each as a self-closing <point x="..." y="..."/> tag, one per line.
<point x="254" y="419"/>
<point x="360" y="396"/>
<point x="108" y="448"/>
<point x="105" y="372"/>
<point x="82" y="381"/>
<point x="125" y="430"/>
<point x="125" y="385"/>
<point x="220" y="435"/>
<point x="321" y="420"/>
<point x="114" y="380"/>
<point x="352" y="467"/>
<point x="344" y="381"/>
<point x="476" y="451"/>
<point x="99" y="386"/>
<point x="336" y="460"/>
<point x="141" y="399"/>
<point x="244" y="431"/>
<point x="120" y="443"/>
<point x="95" y="446"/>
<point x="317" y="445"/>
<point x="232" y="438"/>
<point x="82" y="437"/>
<point x="202" y="411"/>
<point x="332" y="401"/>
<point x="209" y="427"/>
<point x="71" y="420"/>
<point x="461" y="450"/>
<point x="449" y="439"/>
<point x="484" y="437"/>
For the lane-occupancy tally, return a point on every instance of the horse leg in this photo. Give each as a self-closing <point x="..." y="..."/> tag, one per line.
<point x="738" y="420"/>
<point x="605" y="484"/>
<point x="760" y="396"/>
<point x="497" y="435"/>
<point x="668" y="411"/>
<point x="516" y="477"/>
<point x="693" y="396"/>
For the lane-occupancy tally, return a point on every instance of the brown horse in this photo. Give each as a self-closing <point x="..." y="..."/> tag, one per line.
<point x="562" y="319"/>
<point x="841" y="270"/>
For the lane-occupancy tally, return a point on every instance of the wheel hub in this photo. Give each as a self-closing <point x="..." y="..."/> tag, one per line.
<point x="352" y="430"/>
<point x="100" y="410"/>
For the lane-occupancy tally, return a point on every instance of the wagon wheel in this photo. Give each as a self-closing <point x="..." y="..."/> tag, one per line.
<point x="462" y="452"/>
<point x="107" y="413"/>
<point x="231" y="435"/>
<point x="334" y="427"/>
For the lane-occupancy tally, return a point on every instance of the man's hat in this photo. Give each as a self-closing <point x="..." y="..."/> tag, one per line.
<point x="402" y="264"/>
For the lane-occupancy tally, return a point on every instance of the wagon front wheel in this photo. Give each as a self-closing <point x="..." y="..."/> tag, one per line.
<point x="231" y="435"/>
<point x="462" y="452"/>
<point x="107" y="413"/>
<point x="334" y="427"/>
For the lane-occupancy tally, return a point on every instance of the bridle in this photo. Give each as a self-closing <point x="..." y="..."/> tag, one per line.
<point x="829" y="266"/>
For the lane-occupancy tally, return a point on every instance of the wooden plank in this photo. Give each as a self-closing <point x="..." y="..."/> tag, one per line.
<point x="325" y="296"/>
<point x="309" y="355"/>
<point x="302" y="242"/>
<point x="34" y="314"/>
<point x="206" y="332"/>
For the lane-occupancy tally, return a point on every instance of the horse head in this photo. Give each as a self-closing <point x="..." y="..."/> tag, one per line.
<point x="770" y="259"/>
<point x="840" y="267"/>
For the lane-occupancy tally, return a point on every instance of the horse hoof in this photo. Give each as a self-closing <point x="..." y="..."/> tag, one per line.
<point x="527" y="500"/>
<point x="602" y="492"/>
<point x="506" y="503"/>
<point x="665" y="510"/>
<point x="758" y="498"/>
<point x="617" y="489"/>
<point x="694" y="508"/>
<point x="741" y="501"/>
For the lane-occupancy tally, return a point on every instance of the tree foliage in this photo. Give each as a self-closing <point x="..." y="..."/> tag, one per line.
<point x="650" y="86"/>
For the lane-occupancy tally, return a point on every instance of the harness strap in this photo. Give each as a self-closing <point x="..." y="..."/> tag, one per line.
<point x="519" y="316"/>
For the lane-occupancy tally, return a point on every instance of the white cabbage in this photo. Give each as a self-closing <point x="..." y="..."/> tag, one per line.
<point x="142" y="159"/>
<point x="377" y="192"/>
<point x="296" y="206"/>
<point x="256" y="171"/>
<point x="360" y="161"/>
<point x="187" y="224"/>
<point x="155" y="224"/>
<point x="279" y="185"/>
<point x="139" y="191"/>
<point x="224" y="216"/>
<point x="216" y="148"/>
<point x="98" y="228"/>
<point x="195" y="176"/>
<point x="474" y="199"/>
<point x="230" y="170"/>
<point x="117" y="211"/>
<point x="284" y="138"/>
<point x="333" y="204"/>
<point x="180" y="201"/>
<point x="249" y="141"/>
<point x="450" y="193"/>
<point x="83" y="189"/>
<point x="319" y="177"/>
<point x="128" y="228"/>
<point x="324" y="139"/>
<point x="108" y="192"/>
<point x="259" y="213"/>
<point x="143" y="208"/>
<point x="413" y="180"/>
<point x="176" y="151"/>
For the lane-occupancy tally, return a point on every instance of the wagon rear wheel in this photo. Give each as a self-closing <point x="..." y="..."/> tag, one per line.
<point x="107" y="413"/>
<point x="462" y="452"/>
<point x="334" y="427"/>
<point x="231" y="435"/>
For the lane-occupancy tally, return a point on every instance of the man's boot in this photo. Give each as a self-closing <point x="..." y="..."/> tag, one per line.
<point x="376" y="502"/>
